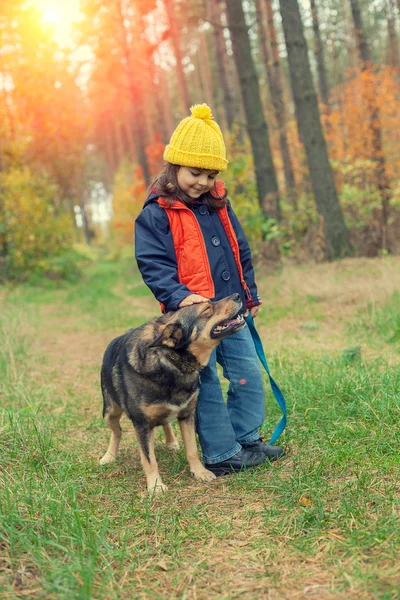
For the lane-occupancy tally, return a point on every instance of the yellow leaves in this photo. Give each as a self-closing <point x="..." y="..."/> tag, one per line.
<point x="129" y="194"/>
<point x="349" y="128"/>
<point x="31" y="233"/>
<point x="305" y="501"/>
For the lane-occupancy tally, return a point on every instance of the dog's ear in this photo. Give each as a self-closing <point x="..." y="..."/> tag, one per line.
<point x="171" y="336"/>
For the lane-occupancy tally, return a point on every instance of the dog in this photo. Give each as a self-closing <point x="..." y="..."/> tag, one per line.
<point x="152" y="373"/>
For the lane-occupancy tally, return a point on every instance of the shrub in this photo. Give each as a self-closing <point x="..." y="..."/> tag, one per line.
<point x="129" y="194"/>
<point x="33" y="229"/>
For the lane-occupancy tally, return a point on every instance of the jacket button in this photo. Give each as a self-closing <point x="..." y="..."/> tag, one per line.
<point x="215" y="241"/>
<point x="226" y="275"/>
<point x="203" y="210"/>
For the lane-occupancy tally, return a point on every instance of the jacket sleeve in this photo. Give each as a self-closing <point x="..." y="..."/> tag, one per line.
<point x="245" y="259"/>
<point x="156" y="258"/>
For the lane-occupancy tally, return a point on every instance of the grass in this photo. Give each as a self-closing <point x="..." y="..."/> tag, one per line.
<point x="382" y="322"/>
<point x="323" y="523"/>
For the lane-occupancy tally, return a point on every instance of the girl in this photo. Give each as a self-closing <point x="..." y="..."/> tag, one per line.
<point x="190" y="248"/>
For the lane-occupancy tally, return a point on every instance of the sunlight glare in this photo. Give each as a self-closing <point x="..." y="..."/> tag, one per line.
<point x="60" y="16"/>
<point x="52" y="16"/>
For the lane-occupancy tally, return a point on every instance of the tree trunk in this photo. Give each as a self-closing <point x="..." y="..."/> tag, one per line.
<point x="362" y="44"/>
<point x="111" y="153"/>
<point x="135" y="94"/>
<point x="174" y="30"/>
<point x="214" y="9"/>
<point x="128" y="135"/>
<point x="274" y="74"/>
<point x="159" y="101"/>
<point x="87" y="232"/>
<point x="319" y="55"/>
<point x="392" y="43"/>
<point x="262" y="37"/>
<point x="257" y="127"/>
<point x="165" y="103"/>
<point x="139" y="133"/>
<point x="375" y="120"/>
<point x="203" y="61"/>
<point x="308" y="120"/>
<point x="233" y="79"/>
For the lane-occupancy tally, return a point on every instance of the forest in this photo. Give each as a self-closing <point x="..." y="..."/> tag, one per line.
<point x="307" y="95"/>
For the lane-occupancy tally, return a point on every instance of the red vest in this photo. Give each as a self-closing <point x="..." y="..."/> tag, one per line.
<point x="190" y="248"/>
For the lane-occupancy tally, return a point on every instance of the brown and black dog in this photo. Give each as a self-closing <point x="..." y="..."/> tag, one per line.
<point x="152" y="373"/>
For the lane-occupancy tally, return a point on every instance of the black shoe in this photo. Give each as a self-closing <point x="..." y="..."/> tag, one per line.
<point x="271" y="452"/>
<point x="242" y="460"/>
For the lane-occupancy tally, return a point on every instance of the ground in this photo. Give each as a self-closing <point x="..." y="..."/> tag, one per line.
<point x="323" y="523"/>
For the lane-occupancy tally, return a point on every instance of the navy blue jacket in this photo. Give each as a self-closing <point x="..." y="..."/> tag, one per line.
<point x="156" y="258"/>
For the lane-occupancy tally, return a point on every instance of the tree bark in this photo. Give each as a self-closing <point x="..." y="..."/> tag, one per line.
<point x="375" y="120"/>
<point x="158" y="101"/>
<point x="392" y="43"/>
<point x="309" y="123"/>
<point x="319" y="55"/>
<point x="203" y="60"/>
<point x="165" y="103"/>
<point x="257" y="127"/>
<point x="362" y="44"/>
<point x="135" y="94"/>
<point x="214" y="9"/>
<point x="174" y="30"/>
<point x="111" y="152"/>
<point x="274" y="75"/>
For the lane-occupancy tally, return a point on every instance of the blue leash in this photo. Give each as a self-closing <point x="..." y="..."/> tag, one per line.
<point x="274" y="386"/>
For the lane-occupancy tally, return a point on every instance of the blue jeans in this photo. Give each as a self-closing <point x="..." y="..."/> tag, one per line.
<point x="222" y="427"/>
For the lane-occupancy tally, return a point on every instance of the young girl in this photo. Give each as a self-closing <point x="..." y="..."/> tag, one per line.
<point x="190" y="248"/>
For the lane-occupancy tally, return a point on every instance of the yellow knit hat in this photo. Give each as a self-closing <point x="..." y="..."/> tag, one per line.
<point x="197" y="142"/>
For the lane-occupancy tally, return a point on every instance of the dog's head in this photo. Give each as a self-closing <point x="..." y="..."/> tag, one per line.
<point x="200" y="327"/>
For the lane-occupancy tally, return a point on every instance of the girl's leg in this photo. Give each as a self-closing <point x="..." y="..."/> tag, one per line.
<point x="238" y="358"/>
<point x="216" y="434"/>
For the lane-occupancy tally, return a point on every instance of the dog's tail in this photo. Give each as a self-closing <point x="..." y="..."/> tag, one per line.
<point x="107" y="399"/>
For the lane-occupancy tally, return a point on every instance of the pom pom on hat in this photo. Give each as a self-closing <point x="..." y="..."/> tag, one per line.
<point x="198" y="142"/>
<point x="201" y="111"/>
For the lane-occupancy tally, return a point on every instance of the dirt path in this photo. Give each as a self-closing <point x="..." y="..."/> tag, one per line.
<point x="234" y="555"/>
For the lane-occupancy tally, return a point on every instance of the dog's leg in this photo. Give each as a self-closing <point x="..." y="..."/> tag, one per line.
<point x="192" y="455"/>
<point x="145" y="438"/>
<point x="170" y="440"/>
<point x="112" y="417"/>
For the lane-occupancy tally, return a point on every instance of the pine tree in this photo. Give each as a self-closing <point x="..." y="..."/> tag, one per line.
<point x="309" y="123"/>
<point x="375" y="119"/>
<point x="256" y="125"/>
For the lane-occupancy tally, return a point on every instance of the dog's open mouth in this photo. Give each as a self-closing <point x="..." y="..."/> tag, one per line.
<point x="228" y="326"/>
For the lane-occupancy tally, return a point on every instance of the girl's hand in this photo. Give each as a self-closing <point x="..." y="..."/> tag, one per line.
<point x="253" y="311"/>
<point x="192" y="299"/>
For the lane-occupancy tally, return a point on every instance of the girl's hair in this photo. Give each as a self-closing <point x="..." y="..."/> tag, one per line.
<point x="166" y="185"/>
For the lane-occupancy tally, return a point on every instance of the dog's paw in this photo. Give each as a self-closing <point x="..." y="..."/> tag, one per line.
<point x="204" y="475"/>
<point x="107" y="458"/>
<point x="174" y="446"/>
<point x="157" y="489"/>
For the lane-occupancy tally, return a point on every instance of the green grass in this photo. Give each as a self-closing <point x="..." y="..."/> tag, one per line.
<point x="381" y="322"/>
<point x="324" y="521"/>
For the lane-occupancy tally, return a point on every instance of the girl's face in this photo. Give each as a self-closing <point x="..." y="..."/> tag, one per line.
<point x="195" y="182"/>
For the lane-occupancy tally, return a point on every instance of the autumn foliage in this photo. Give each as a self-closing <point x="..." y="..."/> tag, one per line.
<point x="32" y="230"/>
<point x="84" y="126"/>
